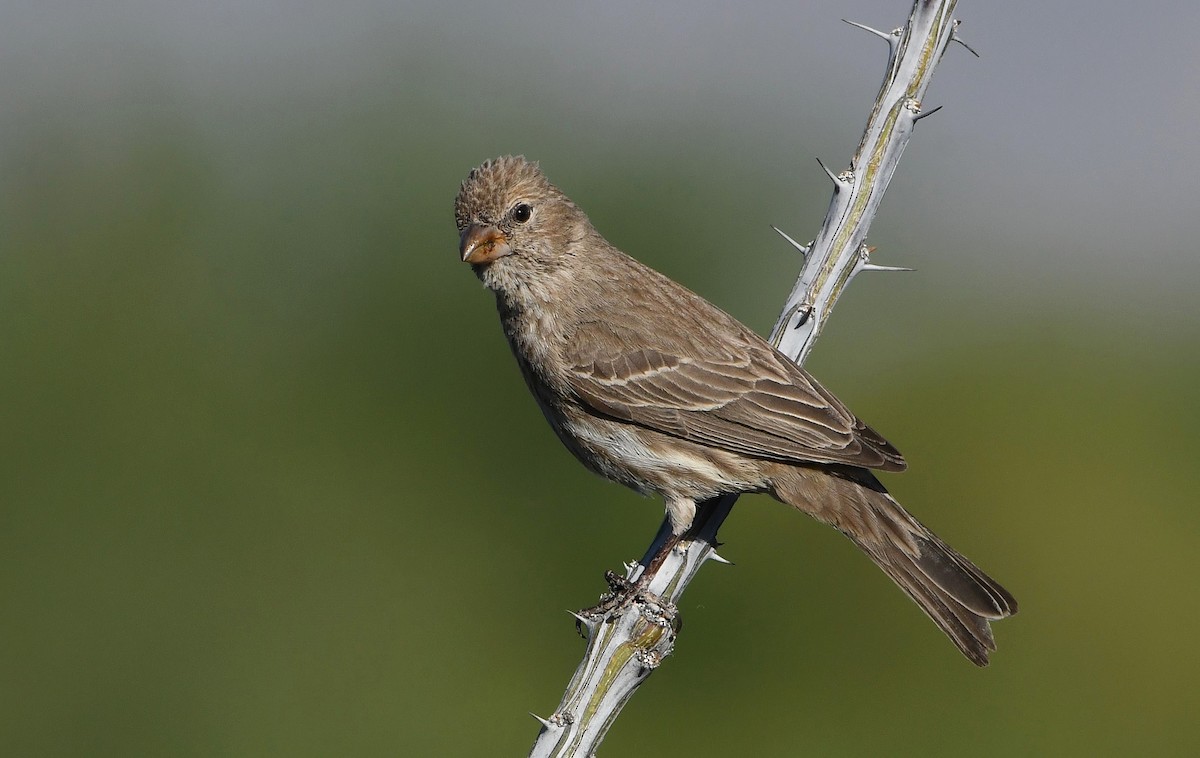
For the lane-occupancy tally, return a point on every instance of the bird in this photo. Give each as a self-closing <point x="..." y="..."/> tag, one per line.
<point x="651" y="386"/>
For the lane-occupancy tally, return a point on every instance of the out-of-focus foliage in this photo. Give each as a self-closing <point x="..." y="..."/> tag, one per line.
<point x="271" y="485"/>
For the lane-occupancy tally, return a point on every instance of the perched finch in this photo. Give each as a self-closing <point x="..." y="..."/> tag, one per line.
<point x="652" y="386"/>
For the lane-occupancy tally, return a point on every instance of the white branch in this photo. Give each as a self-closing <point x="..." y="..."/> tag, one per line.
<point x="627" y="643"/>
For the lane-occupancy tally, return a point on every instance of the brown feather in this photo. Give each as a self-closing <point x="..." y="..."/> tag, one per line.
<point x="652" y="386"/>
<point x="952" y="591"/>
<point x="727" y="388"/>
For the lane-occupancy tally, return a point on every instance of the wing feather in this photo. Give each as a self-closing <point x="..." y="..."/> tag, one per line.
<point x="757" y="403"/>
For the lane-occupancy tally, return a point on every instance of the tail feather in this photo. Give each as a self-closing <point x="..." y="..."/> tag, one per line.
<point x="970" y="632"/>
<point x="962" y="579"/>
<point x="955" y="593"/>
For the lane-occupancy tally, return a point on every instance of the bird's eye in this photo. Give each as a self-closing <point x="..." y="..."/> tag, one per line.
<point x="522" y="213"/>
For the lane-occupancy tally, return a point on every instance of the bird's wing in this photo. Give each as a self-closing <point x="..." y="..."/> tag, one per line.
<point x="744" y="397"/>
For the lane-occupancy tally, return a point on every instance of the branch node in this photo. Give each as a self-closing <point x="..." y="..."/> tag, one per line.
<point x="864" y="261"/>
<point x="658" y="612"/>
<point x="649" y="659"/>
<point x="840" y="181"/>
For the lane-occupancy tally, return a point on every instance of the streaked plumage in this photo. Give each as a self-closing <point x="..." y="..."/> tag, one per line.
<point x="654" y="387"/>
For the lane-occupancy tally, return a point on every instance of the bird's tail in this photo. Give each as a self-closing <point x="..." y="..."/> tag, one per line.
<point x="960" y="598"/>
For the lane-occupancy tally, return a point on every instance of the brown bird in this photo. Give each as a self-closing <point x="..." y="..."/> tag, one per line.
<point x="652" y="386"/>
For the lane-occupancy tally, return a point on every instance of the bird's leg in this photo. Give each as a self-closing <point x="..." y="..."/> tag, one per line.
<point x="680" y="514"/>
<point x="621" y="591"/>
<point x="658" y="559"/>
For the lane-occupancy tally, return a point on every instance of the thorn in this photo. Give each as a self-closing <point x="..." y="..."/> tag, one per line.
<point x="633" y="570"/>
<point x="714" y="557"/>
<point x="805" y="312"/>
<point x="920" y="116"/>
<point x="581" y="619"/>
<point x="802" y="248"/>
<point x="546" y="723"/>
<point x="584" y="626"/>
<point x="838" y="182"/>
<point x="865" y="28"/>
<point x="955" y="38"/>
<point x="873" y="267"/>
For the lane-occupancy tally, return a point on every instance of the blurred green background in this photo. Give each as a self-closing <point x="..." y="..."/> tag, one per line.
<point x="271" y="483"/>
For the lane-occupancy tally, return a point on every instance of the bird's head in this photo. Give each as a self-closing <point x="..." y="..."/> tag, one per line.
<point x="516" y="229"/>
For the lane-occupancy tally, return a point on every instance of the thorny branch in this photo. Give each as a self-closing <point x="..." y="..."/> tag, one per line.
<point x="631" y="640"/>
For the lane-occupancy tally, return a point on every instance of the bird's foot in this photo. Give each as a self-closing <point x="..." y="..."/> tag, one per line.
<point x="624" y="592"/>
<point x="621" y="593"/>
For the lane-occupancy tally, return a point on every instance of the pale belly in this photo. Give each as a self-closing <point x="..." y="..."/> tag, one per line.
<point x="654" y="463"/>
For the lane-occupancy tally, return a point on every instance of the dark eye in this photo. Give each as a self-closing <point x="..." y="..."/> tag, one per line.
<point x="522" y="213"/>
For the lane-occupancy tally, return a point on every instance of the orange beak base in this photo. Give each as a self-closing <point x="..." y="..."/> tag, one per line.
<point x="482" y="244"/>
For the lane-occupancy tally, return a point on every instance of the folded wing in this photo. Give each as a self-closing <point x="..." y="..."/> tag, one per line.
<point x="750" y="400"/>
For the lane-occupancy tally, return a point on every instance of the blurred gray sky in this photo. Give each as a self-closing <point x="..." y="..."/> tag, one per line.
<point x="1066" y="159"/>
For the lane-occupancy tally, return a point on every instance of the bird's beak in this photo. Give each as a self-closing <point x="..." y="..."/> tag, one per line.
<point x="483" y="244"/>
